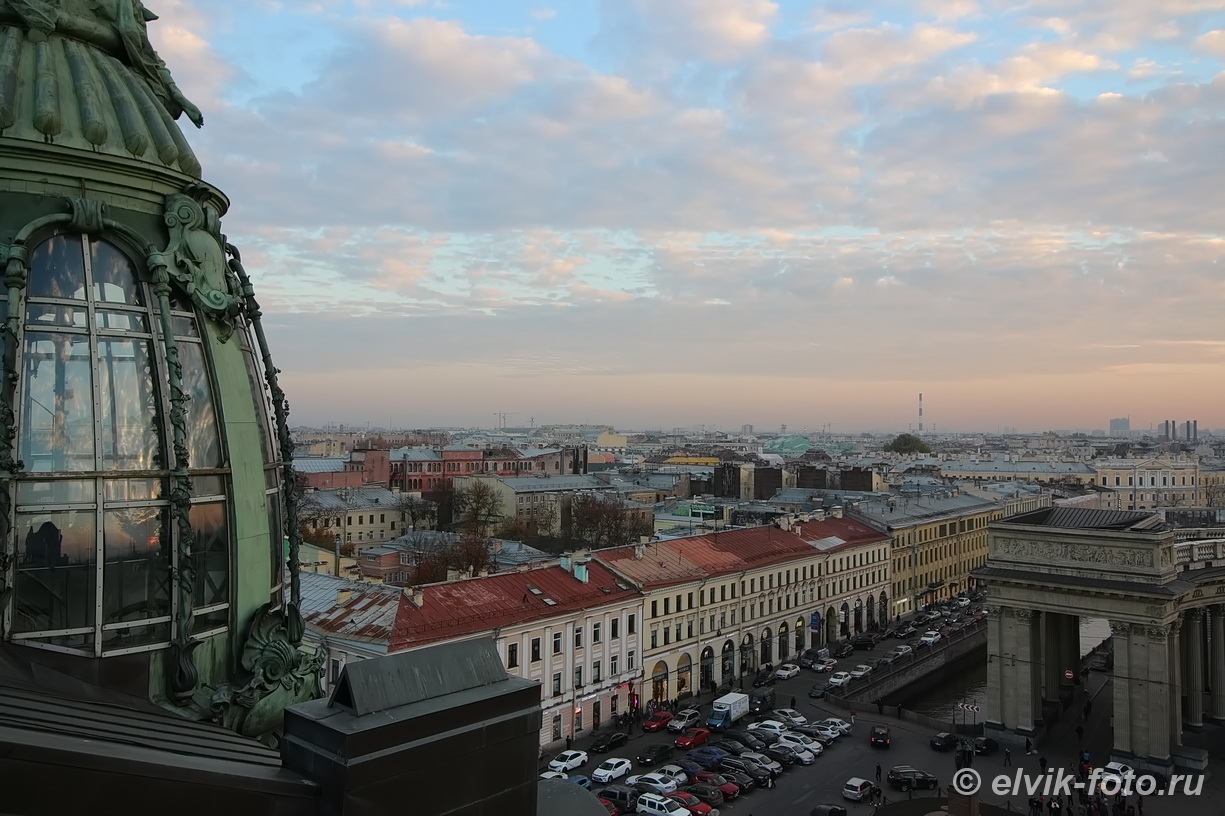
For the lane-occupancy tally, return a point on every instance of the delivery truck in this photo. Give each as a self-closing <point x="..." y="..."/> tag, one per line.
<point x="727" y="709"/>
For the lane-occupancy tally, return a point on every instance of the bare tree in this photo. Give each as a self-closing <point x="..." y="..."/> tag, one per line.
<point x="416" y="513"/>
<point x="600" y="521"/>
<point x="477" y="507"/>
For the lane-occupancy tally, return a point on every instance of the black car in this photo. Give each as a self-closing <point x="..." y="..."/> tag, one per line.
<point x="812" y="733"/>
<point x="747" y="767"/>
<point x="809" y="658"/>
<point x="707" y="793"/>
<point x="906" y="777"/>
<point x="740" y="780"/>
<point x="764" y="678"/>
<point x="863" y="642"/>
<point x="688" y="767"/>
<point x="608" y="741"/>
<point x="783" y="758"/>
<point x="985" y="746"/>
<point x="655" y="754"/>
<point x="729" y="746"/>
<point x="888" y="660"/>
<point x="944" y="741"/>
<point x="747" y="738"/>
<point x="818" y="690"/>
<point x="828" y="810"/>
<point x="623" y="796"/>
<point x="844" y="649"/>
<point x="881" y="736"/>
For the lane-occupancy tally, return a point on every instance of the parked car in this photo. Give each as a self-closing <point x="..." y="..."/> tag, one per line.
<point x="817" y="690"/>
<point x="686" y="718"/>
<point x="906" y="777"/>
<point x="985" y="746"/>
<point x="611" y="807"/>
<point x="581" y="781"/>
<point x="656" y="804"/>
<point x="623" y="796"/>
<point x="747" y="739"/>
<point x="881" y="736"/>
<point x="725" y="784"/>
<point x="862" y="670"/>
<point x="842" y="726"/>
<point x="839" y="679"/>
<point x="692" y="738"/>
<point x="790" y="716"/>
<point x="857" y="789"/>
<point x="554" y="775"/>
<point x="944" y="741"/>
<point x="655" y="754"/>
<point x="771" y="727"/>
<point x="707" y="794"/>
<point x="687" y="800"/>
<point x="739" y="779"/>
<point x="690" y="768"/>
<point x="744" y="766"/>
<point x="706" y="756"/>
<point x="791" y="754"/>
<point x="787" y="671"/>
<point x="765" y="677"/>
<point x="863" y="642"/>
<point x="568" y="761"/>
<point x="829" y="732"/>
<point x="657" y="721"/>
<point x="612" y="769"/>
<point x="795" y="739"/>
<point x="888" y="659"/>
<point x="903" y="650"/>
<point x="844" y="649"/>
<point x="608" y="741"/>
<point x="827" y="810"/>
<point x="826" y="665"/>
<point x="930" y="638"/>
<point x="674" y="772"/>
<point x="810" y="658"/>
<point x="653" y="783"/>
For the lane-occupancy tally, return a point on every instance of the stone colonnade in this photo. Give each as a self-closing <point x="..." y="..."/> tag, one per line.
<point x="1155" y="667"/>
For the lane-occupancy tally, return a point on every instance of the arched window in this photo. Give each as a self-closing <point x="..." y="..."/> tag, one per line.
<point x="95" y="542"/>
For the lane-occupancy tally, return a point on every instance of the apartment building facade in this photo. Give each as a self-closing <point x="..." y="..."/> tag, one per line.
<point x="1150" y="483"/>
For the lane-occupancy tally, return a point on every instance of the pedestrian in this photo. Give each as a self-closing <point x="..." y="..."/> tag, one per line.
<point x="1029" y="747"/>
<point x="1080" y="733"/>
<point x="880" y="707"/>
<point x="1042" y="763"/>
<point x="878" y="772"/>
<point x="569" y="741"/>
<point x="793" y="702"/>
<point x="1139" y="805"/>
<point x="852" y="718"/>
<point x="1007" y="758"/>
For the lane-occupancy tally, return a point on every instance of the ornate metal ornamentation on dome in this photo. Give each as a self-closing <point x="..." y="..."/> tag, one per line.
<point x="200" y="266"/>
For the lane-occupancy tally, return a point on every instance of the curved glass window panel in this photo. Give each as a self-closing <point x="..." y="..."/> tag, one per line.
<point x="204" y="486"/>
<point x="204" y="621"/>
<point x="183" y="325"/>
<point x="59" y="491"/>
<point x="131" y="430"/>
<point x="203" y="443"/>
<point x="136" y="565"/>
<point x="57" y="269"/>
<point x="114" y="276"/>
<point x="129" y="637"/>
<point x="57" y="431"/>
<point x="120" y="490"/>
<point x="55" y="587"/>
<point x="114" y="320"/>
<point x="210" y="553"/>
<point x="263" y="402"/>
<point x="55" y="315"/>
<point x="276" y="539"/>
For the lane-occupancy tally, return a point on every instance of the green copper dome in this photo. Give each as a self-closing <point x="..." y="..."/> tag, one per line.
<point x="144" y="479"/>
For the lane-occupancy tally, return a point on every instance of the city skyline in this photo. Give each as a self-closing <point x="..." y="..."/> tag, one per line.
<point x="723" y="211"/>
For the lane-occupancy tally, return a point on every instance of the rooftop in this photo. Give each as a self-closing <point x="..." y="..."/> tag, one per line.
<point x="1076" y="518"/>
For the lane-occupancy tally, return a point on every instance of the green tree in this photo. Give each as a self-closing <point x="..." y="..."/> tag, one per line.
<point x="907" y="443"/>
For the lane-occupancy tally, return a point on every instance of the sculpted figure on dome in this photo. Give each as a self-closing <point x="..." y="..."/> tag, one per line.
<point x="106" y="23"/>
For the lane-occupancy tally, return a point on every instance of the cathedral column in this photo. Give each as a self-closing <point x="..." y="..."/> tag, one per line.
<point x="1174" y="701"/>
<point x="1027" y="669"/>
<point x="996" y="677"/>
<point x="1193" y="679"/>
<point x="1052" y="651"/>
<point x="1216" y="644"/>
<point x="1121" y="632"/>
<point x="1160" y="691"/>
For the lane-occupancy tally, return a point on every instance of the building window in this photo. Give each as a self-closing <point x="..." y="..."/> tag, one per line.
<point x="512" y="655"/>
<point x="578" y="676"/>
<point x="535" y="650"/>
<point x="629" y="660"/>
<point x="612" y="665"/>
<point x="667" y="606"/>
<point x="633" y="626"/>
<point x="595" y="671"/>
<point x="616" y="628"/>
<point x="654" y="638"/>
<point x="556" y="683"/>
<point x="595" y="633"/>
<point x="654" y="609"/>
<point x="690" y="628"/>
<point x="667" y="635"/>
<point x="557" y="643"/>
<point x="578" y="637"/>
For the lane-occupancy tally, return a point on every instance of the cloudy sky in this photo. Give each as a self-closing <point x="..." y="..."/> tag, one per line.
<point x="672" y="213"/>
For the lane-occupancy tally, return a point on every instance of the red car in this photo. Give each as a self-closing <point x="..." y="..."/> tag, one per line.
<point x="729" y="789"/>
<point x="692" y="738"/>
<point x="692" y="803"/>
<point x="612" y="809"/>
<point x="657" y="721"/>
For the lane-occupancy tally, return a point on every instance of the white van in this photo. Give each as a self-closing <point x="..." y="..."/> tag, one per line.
<point x="857" y="790"/>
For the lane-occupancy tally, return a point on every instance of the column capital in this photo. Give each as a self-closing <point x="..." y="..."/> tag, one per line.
<point x="1217" y="610"/>
<point x="1161" y="633"/>
<point x="1195" y="614"/>
<point x="995" y="611"/>
<point x="1025" y="614"/>
<point x="1120" y="628"/>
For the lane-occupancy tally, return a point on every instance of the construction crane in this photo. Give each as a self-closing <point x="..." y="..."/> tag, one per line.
<point x="502" y="415"/>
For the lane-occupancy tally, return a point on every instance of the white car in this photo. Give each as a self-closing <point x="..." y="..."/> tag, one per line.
<point x="612" y="768"/>
<point x="902" y="651"/>
<point x="862" y="670"/>
<point x="827" y="731"/>
<point x="787" y="671"/>
<point x="839" y="679"/>
<point x="801" y="742"/>
<point x="554" y="775"/>
<point x="568" y="761"/>
<point x="655" y="782"/>
<point x="827" y="664"/>
<point x="687" y="718"/>
<point x="930" y="638"/>
<point x="790" y="716"/>
<point x="772" y="727"/>
<point x="673" y="772"/>
<point x="1117" y="770"/>
<point x="653" y="804"/>
<point x="842" y="726"/>
<point x="801" y="755"/>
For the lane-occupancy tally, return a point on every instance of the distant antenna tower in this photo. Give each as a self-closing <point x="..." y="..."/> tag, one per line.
<point x="784" y="429"/>
<point x="920" y="412"/>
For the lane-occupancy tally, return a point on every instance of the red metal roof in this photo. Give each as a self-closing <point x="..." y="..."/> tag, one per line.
<point x="854" y="533"/>
<point x="460" y="608"/>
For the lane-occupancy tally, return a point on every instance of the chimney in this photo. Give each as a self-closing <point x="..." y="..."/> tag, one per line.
<point x="836" y="511"/>
<point x="565" y="562"/>
<point x="580" y="571"/>
<point x="452" y="574"/>
<point x="819" y="514"/>
<point x="343" y="596"/>
<point x="640" y="551"/>
<point x="416" y="595"/>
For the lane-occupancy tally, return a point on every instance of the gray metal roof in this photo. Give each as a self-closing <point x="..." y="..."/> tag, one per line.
<point x="1089" y="519"/>
<point x="1003" y="466"/>
<point x="318" y="464"/>
<point x="536" y="484"/>
<point x="416" y="454"/>
<point x="351" y="498"/>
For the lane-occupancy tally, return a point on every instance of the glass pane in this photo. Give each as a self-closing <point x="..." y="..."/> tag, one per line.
<point x="131" y="636"/>
<point x="276" y="538"/>
<point x="263" y="404"/>
<point x="82" y="640"/>
<point x="207" y="486"/>
<point x="57" y="269"/>
<point x="210" y="620"/>
<point x="131" y="432"/>
<point x="272" y="478"/>
<point x="114" y="275"/>
<point x="55" y="571"/>
<point x="136" y="573"/>
<point x="133" y="489"/>
<point x="203" y="444"/>
<point x="57" y="431"/>
<point x="183" y="326"/>
<point x="120" y="321"/>
<point x="56" y="492"/>
<point x="56" y="314"/>
<point x="210" y="554"/>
